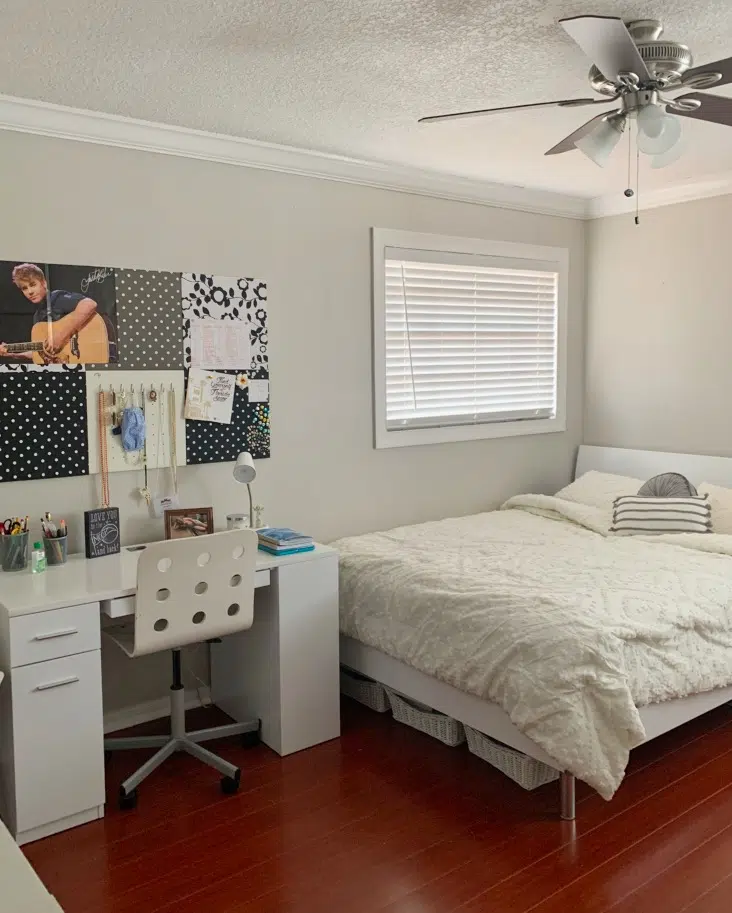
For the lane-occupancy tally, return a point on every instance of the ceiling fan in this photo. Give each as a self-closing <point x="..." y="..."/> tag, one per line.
<point x="634" y="67"/>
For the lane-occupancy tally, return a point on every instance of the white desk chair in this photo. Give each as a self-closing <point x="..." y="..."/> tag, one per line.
<point x="188" y="591"/>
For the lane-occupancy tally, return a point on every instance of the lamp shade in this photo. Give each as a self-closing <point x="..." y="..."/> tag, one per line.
<point x="669" y="157"/>
<point x="600" y="142"/>
<point x="650" y="120"/>
<point x="244" y="469"/>
<point x="658" y="132"/>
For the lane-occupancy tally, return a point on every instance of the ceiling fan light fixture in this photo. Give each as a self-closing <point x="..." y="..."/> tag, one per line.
<point x="658" y="132"/>
<point x="670" y="156"/>
<point x="599" y="143"/>
<point x="650" y="120"/>
<point x="634" y="66"/>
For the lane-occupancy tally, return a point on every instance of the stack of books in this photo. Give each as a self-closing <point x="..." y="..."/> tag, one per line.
<point x="280" y="540"/>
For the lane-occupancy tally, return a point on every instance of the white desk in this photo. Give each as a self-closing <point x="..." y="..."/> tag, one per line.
<point x="283" y="670"/>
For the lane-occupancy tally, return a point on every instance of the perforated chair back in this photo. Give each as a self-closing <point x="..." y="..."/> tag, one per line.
<point x="191" y="590"/>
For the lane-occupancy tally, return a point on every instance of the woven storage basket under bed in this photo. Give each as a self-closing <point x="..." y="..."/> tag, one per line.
<point x="525" y="771"/>
<point x="416" y="715"/>
<point x="364" y="690"/>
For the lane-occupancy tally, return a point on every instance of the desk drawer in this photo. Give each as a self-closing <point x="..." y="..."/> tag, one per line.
<point x="121" y="607"/>
<point x="57" y="739"/>
<point x="48" y="635"/>
<point x="124" y="606"/>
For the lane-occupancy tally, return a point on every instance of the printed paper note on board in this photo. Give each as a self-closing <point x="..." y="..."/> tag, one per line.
<point x="218" y="345"/>
<point x="210" y="396"/>
<point x="258" y="391"/>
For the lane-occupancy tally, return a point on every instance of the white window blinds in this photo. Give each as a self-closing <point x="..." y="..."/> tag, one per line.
<point x="468" y="343"/>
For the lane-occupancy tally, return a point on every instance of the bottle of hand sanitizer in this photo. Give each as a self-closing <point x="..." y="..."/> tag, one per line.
<point x="38" y="558"/>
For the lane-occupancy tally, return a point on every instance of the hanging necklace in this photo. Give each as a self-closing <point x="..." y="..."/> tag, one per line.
<point x="173" y="441"/>
<point x="103" y="459"/>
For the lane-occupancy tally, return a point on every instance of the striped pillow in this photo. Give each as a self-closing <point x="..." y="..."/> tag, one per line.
<point x="634" y="515"/>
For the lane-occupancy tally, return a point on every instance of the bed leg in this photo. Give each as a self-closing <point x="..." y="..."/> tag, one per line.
<point x="566" y="792"/>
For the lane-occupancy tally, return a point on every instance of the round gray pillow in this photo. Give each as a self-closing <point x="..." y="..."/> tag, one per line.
<point x="668" y="485"/>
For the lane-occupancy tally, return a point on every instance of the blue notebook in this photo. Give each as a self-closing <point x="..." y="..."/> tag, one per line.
<point x="286" y="551"/>
<point x="282" y="536"/>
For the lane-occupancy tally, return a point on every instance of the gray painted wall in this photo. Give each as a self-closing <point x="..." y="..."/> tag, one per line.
<point x="659" y="329"/>
<point x="71" y="202"/>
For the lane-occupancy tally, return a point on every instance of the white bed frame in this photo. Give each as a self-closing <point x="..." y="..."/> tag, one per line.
<point x="490" y="718"/>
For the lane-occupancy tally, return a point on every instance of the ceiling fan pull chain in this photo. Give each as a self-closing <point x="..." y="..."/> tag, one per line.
<point x="629" y="192"/>
<point x="637" y="185"/>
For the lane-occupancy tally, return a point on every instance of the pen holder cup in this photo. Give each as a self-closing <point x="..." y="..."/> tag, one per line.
<point x="15" y="552"/>
<point x="56" y="550"/>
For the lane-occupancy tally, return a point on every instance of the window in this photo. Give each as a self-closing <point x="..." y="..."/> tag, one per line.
<point x="468" y="338"/>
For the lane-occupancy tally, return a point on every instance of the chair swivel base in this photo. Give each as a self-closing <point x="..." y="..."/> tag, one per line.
<point x="180" y="740"/>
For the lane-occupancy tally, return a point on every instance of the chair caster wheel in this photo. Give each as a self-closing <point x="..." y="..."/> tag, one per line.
<point x="251" y="739"/>
<point x="229" y="785"/>
<point x="127" y="801"/>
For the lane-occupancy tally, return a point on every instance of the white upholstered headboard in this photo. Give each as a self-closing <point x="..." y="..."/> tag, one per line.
<point x="646" y="463"/>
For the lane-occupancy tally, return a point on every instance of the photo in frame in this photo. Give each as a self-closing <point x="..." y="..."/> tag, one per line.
<point x="188" y="522"/>
<point x="53" y="314"/>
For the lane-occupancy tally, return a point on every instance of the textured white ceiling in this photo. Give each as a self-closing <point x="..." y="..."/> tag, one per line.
<point x="353" y="76"/>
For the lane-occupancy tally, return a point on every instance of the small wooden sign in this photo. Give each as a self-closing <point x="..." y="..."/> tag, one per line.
<point x="101" y="532"/>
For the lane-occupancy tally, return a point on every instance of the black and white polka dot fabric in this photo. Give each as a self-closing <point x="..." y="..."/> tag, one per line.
<point x="212" y="442"/>
<point x="43" y="428"/>
<point x="150" y="320"/>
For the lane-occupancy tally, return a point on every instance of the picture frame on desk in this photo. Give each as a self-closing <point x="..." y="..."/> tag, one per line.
<point x="188" y="522"/>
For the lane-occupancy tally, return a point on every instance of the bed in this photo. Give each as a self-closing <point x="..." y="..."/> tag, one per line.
<point x="533" y="626"/>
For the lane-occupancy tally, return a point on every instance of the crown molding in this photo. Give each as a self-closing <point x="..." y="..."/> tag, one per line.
<point x="41" y="118"/>
<point x="714" y="185"/>
<point x="24" y="115"/>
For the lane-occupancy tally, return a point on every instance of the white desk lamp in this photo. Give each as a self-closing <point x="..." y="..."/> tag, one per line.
<point x="246" y="472"/>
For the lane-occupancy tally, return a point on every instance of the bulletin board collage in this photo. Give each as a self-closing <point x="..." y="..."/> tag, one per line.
<point x="69" y="331"/>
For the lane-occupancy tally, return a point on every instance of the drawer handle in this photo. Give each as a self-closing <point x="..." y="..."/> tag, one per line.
<point x="62" y="681"/>
<point x="51" y="634"/>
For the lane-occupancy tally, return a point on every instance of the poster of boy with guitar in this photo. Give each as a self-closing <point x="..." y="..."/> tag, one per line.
<point x="44" y="320"/>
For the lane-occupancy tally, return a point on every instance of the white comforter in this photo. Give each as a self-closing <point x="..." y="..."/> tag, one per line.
<point x="537" y="608"/>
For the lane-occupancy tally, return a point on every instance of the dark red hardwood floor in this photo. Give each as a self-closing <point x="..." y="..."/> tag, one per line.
<point x="386" y="819"/>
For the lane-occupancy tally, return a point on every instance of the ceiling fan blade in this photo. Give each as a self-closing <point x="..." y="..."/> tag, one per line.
<point x="564" y="103"/>
<point x="608" y="44"/>
<point x="714" y="108"/>
<point x="718" y="66"/>
<point x="568" y="143"/>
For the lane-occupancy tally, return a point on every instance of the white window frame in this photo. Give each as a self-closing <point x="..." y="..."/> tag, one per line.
<point x="383" y="238"/>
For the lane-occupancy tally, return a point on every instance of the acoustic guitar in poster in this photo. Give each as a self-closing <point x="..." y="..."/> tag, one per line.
<point x="89" y="345"/>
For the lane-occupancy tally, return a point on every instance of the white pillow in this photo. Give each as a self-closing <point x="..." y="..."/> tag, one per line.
<point x="599" y="489"/>
<point x="721" y="502"/>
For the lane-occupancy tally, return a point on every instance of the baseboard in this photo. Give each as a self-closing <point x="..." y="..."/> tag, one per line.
<point x="152" y="710"/>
